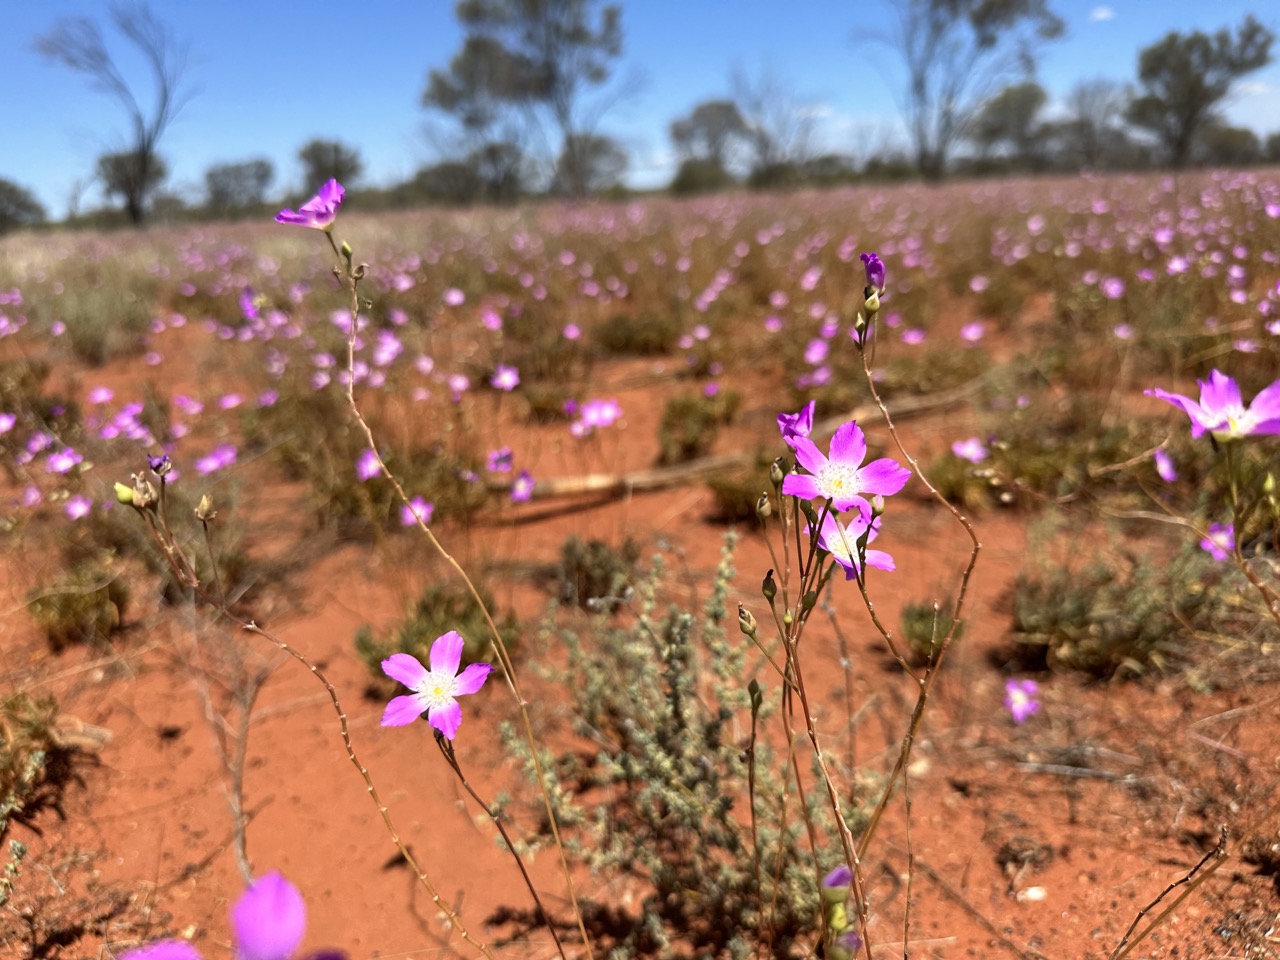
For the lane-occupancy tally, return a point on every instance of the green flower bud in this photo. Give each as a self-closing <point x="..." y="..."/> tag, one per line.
<point x="778" y="472"/>
<point x="764" y="507"/>
<point x="746" y="621"/>
<point x="124" y="493"/>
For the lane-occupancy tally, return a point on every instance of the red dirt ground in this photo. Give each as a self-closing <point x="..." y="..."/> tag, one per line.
<point x="1039" y="840"/>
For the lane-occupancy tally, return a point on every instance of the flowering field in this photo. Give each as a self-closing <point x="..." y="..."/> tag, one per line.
<point x="606" y="580"/>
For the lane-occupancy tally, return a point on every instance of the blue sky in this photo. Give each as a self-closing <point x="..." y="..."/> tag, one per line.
<point x="270" y="76"/>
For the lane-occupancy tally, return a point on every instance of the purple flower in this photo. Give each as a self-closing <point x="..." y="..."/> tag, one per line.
<point x="269" y="921"/>
<point x="505" y="378"/>
<point x="1164" y="466"/>
<point x="973" y="450"/>
<point x="7" y="420"/>
<point x="1020" y="699"/>
<point x="416" y="509"/>
<point x="101" y="395"/>
<point x="842" y="543"/>
<point x="367" y="466"/>
<point x="78" y="507"/>
<point x="222" y="456"/>
<point x="796" y="424"/>
<point x="1112" y="288"/>
<point x="435" y="691"/>
<point x="875" y="270"/>
<point x="320" y="211"/>
<point x="1220" y="541"/>
<point x="842" y="478"/>
<point x="1221" y="411"/>
<point x="500" y="460"/>
<point x="973" y="332"/>
<point x="522" y="487"/>
<point x="62" y="461"/>
<point x="837" y="884"/>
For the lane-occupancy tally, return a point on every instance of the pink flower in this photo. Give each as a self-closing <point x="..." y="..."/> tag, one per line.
<point x="416" y="509"/>
<point x="78" y="507"/>
<point x="842" y="478"/>
<point x="1164" y="466"/>
<point x="841" y="542"/>
<point x="320" y="211"/>
<point x="435" y="691"/>
<point x="1220" y="541"/>
<point x="367" y="466"/>
<point x="505" y="378"/>
<point x="1222" y="412"/>
<point x="522" y="488"/>
<point x="972" y="450"/>
<point x="796" y="424"/>
<point x="1020" y="699"/>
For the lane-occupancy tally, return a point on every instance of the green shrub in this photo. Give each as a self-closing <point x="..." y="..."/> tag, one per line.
<point x="594" y="575"/>
<point x="85" y="606"/>
<point x="690" y="425"/>
<point x="639" y="335"/>
<point x="924" y="628"/>
<point x="661" y="797"/>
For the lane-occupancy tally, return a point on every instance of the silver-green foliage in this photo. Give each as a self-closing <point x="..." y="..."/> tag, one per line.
<point x="664" y="802"/>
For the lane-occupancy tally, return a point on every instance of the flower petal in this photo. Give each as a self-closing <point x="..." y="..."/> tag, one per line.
<point x="446" y="653"/>
<point x="405" y="668"/>
<point x="1200" y="421"/>
<point x="880" y="560"/>
<point x="270" y="919"/>
<point x="800" y="485"/>
<point x="446" y="718"/>
<point x="849" y="445"/>
<point x="1218" y="393"/>
<point x="1266" y="409"/>
<point x="883" y="476"/>
<point x="402" y="711"/>
<point x="472" y="679"/>
<point x="164" y="950"/>
<point x="808" y="454"/>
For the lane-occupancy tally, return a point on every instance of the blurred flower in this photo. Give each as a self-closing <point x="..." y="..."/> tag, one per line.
<point x="1220" y="541"/>
<point x="913" y="336"/>
<point x="62" y="461"/>
<point x="220" y="457"/>
<point x="505" y="378"/>
<point x="837" y="884"/>
<point x="367" y="465"/>
<point x="973" y="450"/>
<point x="522" y="488"/>
<point x="78" y="507"/>
<point x="571" y="331"/>
<point x="7" y="420"/>
<point x="500" y="460"/>
<point x="1112" y="288"/>
<point x="1020" y="699"/>
<point x="1164" y="466"/>
<point x="320" y="211"/>
<point x="841" y="542"/>
<point x="416" y="509"/>
<point x="978" y="283"/>
<point x="435" y="691"/>
<point x="973" y="332"/>
<point x="1221" y="411"/>
<point x="842" y="478"/>
<point x="101" y="395"/>
<point x="453" y="297"/>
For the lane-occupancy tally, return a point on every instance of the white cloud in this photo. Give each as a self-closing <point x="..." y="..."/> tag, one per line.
<point x="1101" y="14"/>
<point x="1251" y="88"/>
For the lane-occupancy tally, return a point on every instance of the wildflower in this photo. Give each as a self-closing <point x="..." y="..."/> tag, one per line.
<point x="1112" y="288"/>
<point x="796" y="424"/>
<point x="78" y="507"/>
<point x="500" y="460"/>
<point x="415" y="510"/>
<point x="1164" y="466"/>
<point x="435" y="691"/>
<point x="63" y="461"/>
<point x="842" y="478"/>
<point x="973" y="450"/>
<point x="1020" y="699"/>
<point x="837" y="884"/>
<point x="222" y="456"/>
<point x="7" y="420"/>
<point x="842" y="542"/>
<point x="1221" y="411"/>
<point x="875" y="271"/>
<point x="367" y="466"/>
<point x="320" y="211"/>
<point x="269" y="921"/>
<point x="522" y="487"/>
<point x="973" y="332"/>
<point x="1220" y="541"/>
<point x="99" y="395"/>
<point x="505" y="378"/>
<point x="845" y="946"/>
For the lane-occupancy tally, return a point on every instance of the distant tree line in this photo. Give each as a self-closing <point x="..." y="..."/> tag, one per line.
<point x="517" y="113"/>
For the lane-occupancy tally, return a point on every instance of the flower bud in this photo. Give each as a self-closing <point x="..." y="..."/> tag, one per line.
<point x="756" y="694"/>
<point x="124" y="493"/>
<point x="844" y="946"/>
<point x="769" y="588"/>
<point x="205" y="510"/>
<point x="746" y="621"/>
<point x="809" y="600"/>
<point x="161" y="466"/>
<point x="872" y="304"/>
<point x="778" y="472"/>
<point x="764" y="507"/>
<point x="144" y="492"/>
<point x="346" y="251"/>
<point x="837" y="885"/>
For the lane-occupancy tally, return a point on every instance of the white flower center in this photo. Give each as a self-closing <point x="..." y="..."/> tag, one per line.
<point x="437" y="689"/>
<point x="837" y="480"/>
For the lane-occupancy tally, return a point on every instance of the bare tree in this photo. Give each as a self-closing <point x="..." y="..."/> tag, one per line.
<point x="77" y="43"/>
<point x="779" y="128"/>
<point x="956" y="54"/>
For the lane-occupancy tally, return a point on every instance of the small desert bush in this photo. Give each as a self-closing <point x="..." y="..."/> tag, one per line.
<point x="924" y="626"/>
<point x="661" y="797"/>
<point x="639" y="335"/>
<point x="1124" y="610"/>
<point x="594" y="575"/>
<point x="737" y="491"/>
<point x="85" y="606"/>
<point x="437" y="610"/>
<point x="690" y="425"/>
<point x="107" y="313"/>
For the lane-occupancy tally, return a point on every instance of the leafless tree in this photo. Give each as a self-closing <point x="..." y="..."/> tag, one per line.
<point x="780" y="129"/>
<point x="77" y="43"/>
<point x="956" y="53"/>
